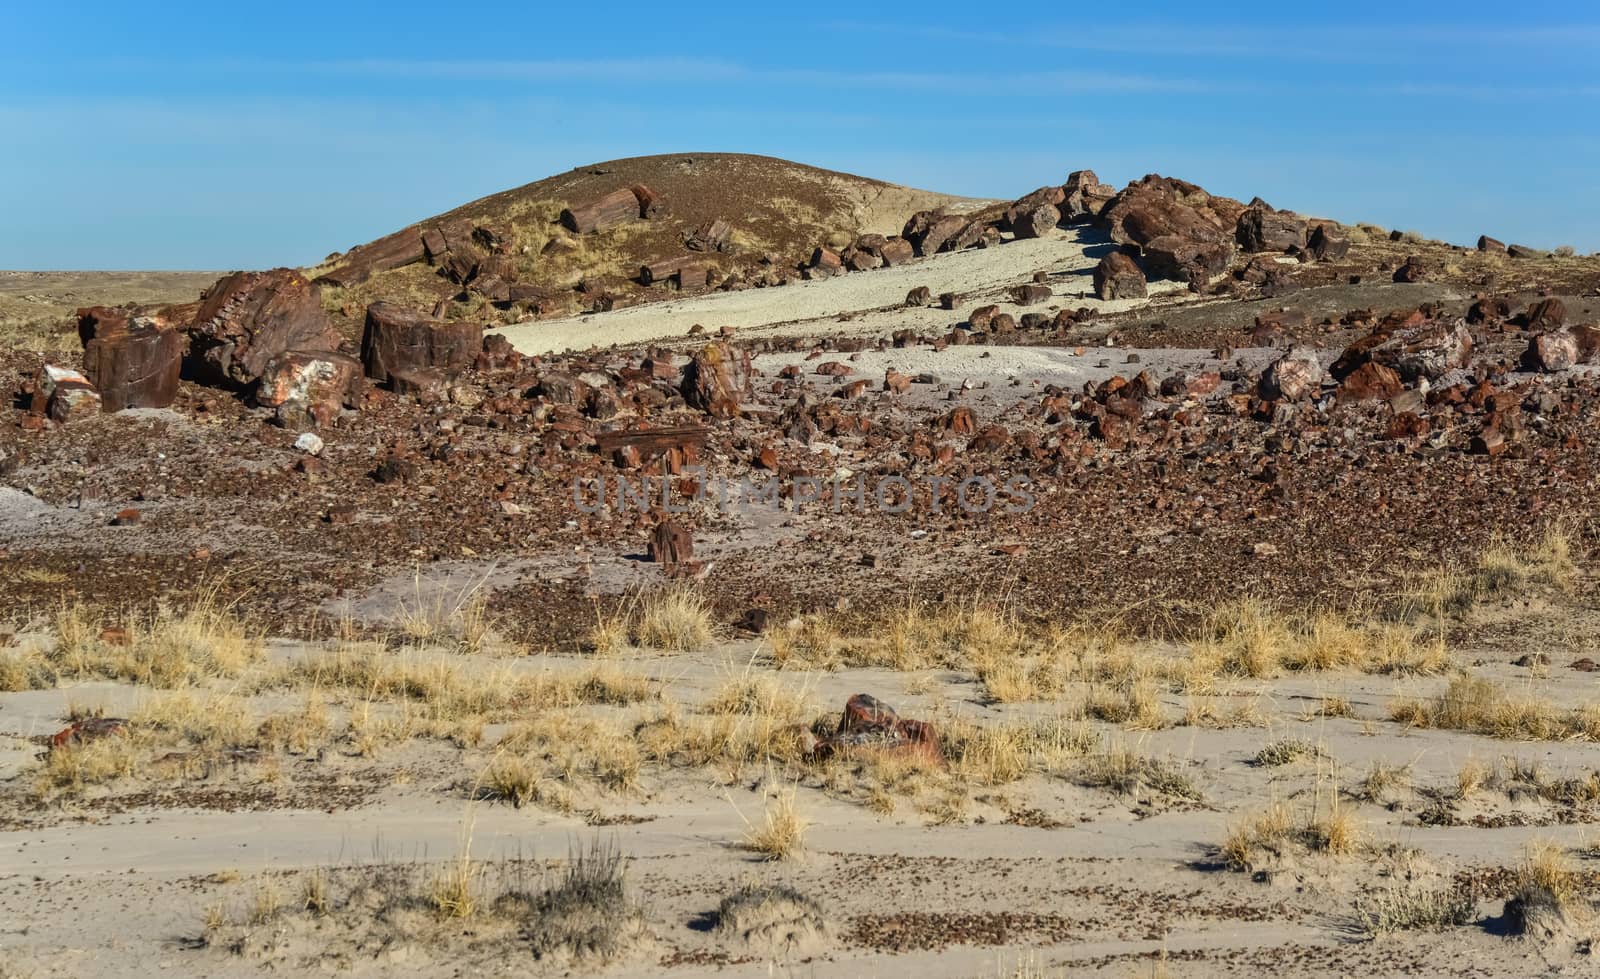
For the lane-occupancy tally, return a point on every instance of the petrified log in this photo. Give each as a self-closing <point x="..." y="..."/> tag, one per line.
<point x="1119" y="277"/>
<point x="670" y="544"/>
<point x="403" y="339"/>
<point x="717" y="379"/>
<point x="616" y="208"/>
<point x="389" y="252"/>
<point x="133" y="362"/>
<point x="247" y="318"/>
<point x="710" y="237"/>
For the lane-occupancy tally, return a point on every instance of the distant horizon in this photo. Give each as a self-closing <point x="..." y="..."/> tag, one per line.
<point x="206" y="139"/>
<point x="1056" y="178"/>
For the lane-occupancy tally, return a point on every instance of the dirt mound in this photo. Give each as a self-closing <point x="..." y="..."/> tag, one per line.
<point x="564" y="242"/>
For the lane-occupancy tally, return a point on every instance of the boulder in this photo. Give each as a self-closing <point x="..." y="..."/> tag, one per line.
<point x="64" y="395"/>
<point x="1488" y="244"/>
<point x="1564" y="348"/>
<point x="868" y="724"/>
<point x="1325" y="244"/>
<point x="1157" y="206"/>
<point x="1030" y="294"/>
<point x="1295" y="375"/>
<point x="1371" y="382"/>
<point x="397" y="250"/>
<point x="396" y="338"/>
<point x="713" y="236"/>
<point x="247" y="318"/>
<point x="1036" y="221"/>
<point x="133" y="361"/>
<point x="1546" y="314"/>
<point x="1428" y="349"/>
<point x="1084" y="196"/>
<point x="717" y="379"/>
<point x="1262" y="229"/>
<point x="1119" y="277"/>
<point x="896" y="251"/>
<point x="1414" y="270"/>
<point x="308" y="388"/>
<point x="1526" y="251"/>
<point x="1175" y="257"/>
<point x="929" y="231"/>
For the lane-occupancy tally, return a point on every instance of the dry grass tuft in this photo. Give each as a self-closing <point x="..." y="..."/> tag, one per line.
<point x="810" y="642"/>
<point x="1482" y="706"/>
<point x="589" y="919"/>
<point x="167" y="648"/>
<point x="442" y="616"/>
<point x="1125" y="772"/>
<point x="71" y="769"/>
<point x="772" y="917"/>
<point x="677" y="619"/>
<point x="1273" y="833"/>
<point x="1385" y="912"/>
<point x="782" y="834"/>
<point x="1287" y="751"/>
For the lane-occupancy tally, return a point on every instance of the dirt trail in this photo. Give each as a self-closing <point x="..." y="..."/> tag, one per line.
<point x="808" y="308"/>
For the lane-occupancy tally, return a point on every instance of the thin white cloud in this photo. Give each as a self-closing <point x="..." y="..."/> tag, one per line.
<point x="1376" y="43"/>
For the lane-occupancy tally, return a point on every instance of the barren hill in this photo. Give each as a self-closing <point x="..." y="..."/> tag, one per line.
<point x="775" y="212"/>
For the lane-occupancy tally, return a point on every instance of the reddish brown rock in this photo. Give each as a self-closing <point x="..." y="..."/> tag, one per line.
<point x="717" y="379"/>
<point x="1488" y="244"/>
<point x="713" y="236"/>
<point x="1414" y="270"/>
<point x="425" y="385"/>
<point x="616" y="208"/>
<point x="896" y="382"/>
<point x="89" y="729"/>
<point x="828" y="260"/>
<point x="670" y="544"/>
<point x="394" y="251"/>
<point x="868" y="724"/>
<point x="308" y="388"/>
<point x="1157" y="206"/>
<point x="1295" y="375"/>
<point x="1262" y="229"/>
<point x="1370" y="382"/>
<point x="1119" y="277"/>
<point x="1428" y="349"/>
<point x="132" y="361"/>
<point x="1031" y="294"/>
<point x="929" y="231"/>
<point x="397" y="338"/>
<point x="248" y="318"/>
<point x="960" y="421"/>
<point x="1084" y="196"/>
<point x="64" y="395"/>
<point x="1546" y="314"/>
<point x="1324" y="244"/>
<point x="1563" y="348"/>
<point x="896" y="251"/>
<point x="1174" y="257"/>
<point x="1035" y="222"/>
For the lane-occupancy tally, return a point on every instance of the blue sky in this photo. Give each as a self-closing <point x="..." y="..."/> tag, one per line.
<point x="223" y="136"/>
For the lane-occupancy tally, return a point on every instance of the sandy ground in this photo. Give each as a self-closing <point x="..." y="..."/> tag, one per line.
<point x="120" y="880"/>
<point x="873" y="300"/>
